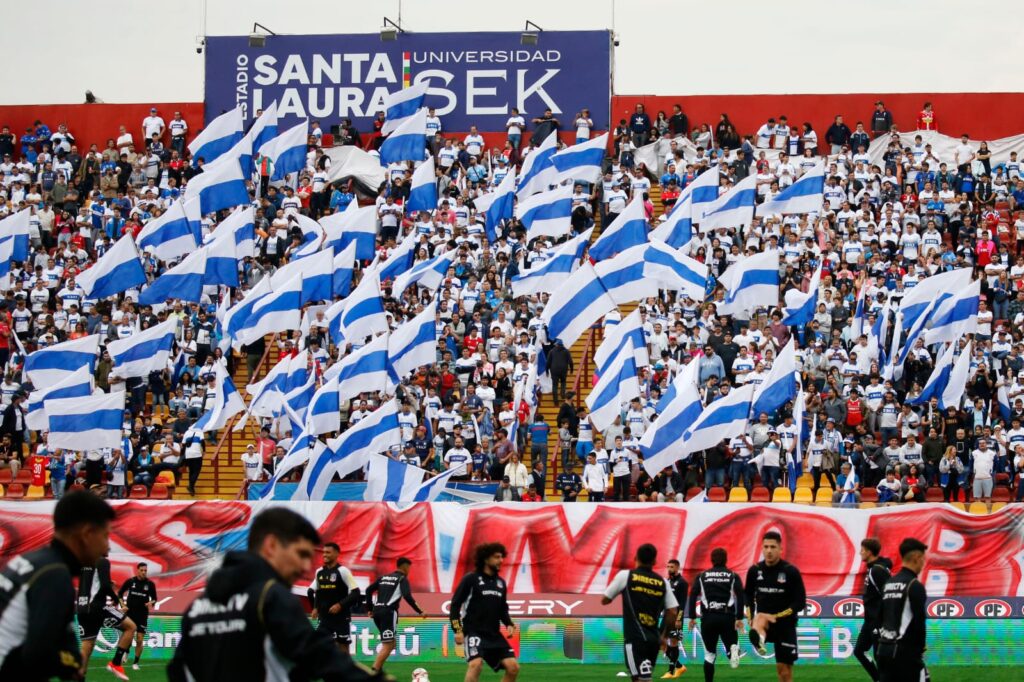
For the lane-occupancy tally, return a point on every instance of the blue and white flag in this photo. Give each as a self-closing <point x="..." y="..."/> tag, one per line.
<point x="939" y="378"/>
<point x="304" y="448"/>
<point x="324" y="412"/>
<point x="183" y="282"/>
<point x="538" y="172"/>
<point x="264" y="128"/>
<point x="353" y="225"/>
<point x="194" y="216"/>
<point x="278" y="311"/>
<point x="77" y="384"/>
<point x="401" y="105"/>
<point x="221" y="260"/>
<point x="497" y="206"/>
<point x="673" y="269"/>
<point x="860" y="313"/>
<point x="724" y="418"/>
<point x="227" y="403"/>
<point x="422" y="189"/>
<point x="399" y="261"/>
<point x="366" y="369"/>
<point x="677" y="229"/>
<point x="581" y="162"/>
<point x="1005" y="409"/>
<point x="238" y="314"/>
<point x="547" y="214"/>
<point x="218" y="137"/>
<point x="431" y="488"/>
<point x="628" y="229"/>
<point x="703" y="193"/>
<point x="388" y="480"/>
<point x="221" y="185"/>
<point x="629" y="331"/>
<point x="363" y="312"/>
<point x="408" y="142"/>
<point x="80" y="424"/>
<point x="958" y="318"/>
<point x="750" y="282"/>
<point x="283" y="378"/>
<point x="49" y="366"/>
<point x="414" y="343"/>
<point x="344" y="266"/>
<point x="661" y="443"/>
<point x="378" y="432"/>
<point x="733" y="209"/>
<point x="623" y="276"/>
<point x="287" y="151"/>
<point x="552" y="272"/>
<point x="806" y="195"/>
<point x="800" y="307"/>
<point x="579" y="303"/>
<point x="932" y="291"/>
<point x="119" y="269"/>
<point x="953" y="394"/>
<point x="427" y="274"/>
<point x="318" y="277"/>
<point x="242" y="224"/>
<point x="143" y="352"/>
<point x="14" y="232"/>
<point x="169" y="236"/>
<point x="616" y="385"/>
<point x="780" y="386"/>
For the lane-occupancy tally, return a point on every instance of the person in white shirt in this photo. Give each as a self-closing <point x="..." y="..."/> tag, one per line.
<point x="583" y="124"/>
<point x="766" y="135"/>
<point x="124" y="140"/>
<point x="459" y="459"/>
<point x="152" y="125"/>
<point x="595" y="478"/>
<point x="514" y="125"/>
<point x="252" y="464"/>
<point x="982" y="461"/>
<point x="474" y="142"/>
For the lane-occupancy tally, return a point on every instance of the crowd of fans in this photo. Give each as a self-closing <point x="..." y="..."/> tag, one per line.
<point x="883" y="227"/>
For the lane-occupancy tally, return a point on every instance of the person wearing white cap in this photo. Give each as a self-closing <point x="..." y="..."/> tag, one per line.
<point x="252" y="463"/>
<point x="152" y="125"/>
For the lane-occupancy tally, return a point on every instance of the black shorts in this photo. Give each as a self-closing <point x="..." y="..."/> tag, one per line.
<point x="339" y="628"/>
<point x="141" y="620"/>
<point x="641" y="658"/>
<point x="386" y="621"/>
<point x="783" y="635"/>
<point x="902" y="669"/>
<point x="493" y="649"/>
<point x="718" y="626"/>
<point x="89" y="624"/>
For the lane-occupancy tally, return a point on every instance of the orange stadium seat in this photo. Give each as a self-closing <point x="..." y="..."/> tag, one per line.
<point x="15" y="491"/>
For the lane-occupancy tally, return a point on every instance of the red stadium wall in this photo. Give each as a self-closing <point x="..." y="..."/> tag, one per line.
<point x="96" y="123"/>
<point x="982" y="115"/>
<point x="987" y="115"/>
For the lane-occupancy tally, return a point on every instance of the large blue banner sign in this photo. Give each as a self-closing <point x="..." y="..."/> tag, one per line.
<point x="474" y="78"/>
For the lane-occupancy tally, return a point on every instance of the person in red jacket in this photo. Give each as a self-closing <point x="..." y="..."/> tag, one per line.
<point x="854" y="410"/>
<point x="926" y="118"/>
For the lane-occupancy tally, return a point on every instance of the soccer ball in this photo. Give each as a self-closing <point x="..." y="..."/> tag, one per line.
<point x="420" y="675"/>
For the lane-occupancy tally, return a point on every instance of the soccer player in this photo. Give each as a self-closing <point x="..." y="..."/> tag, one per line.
<point x="390" y="590"/>
<point x="37" y="596"/>
<point x="247" y="624"/>
<point x="775" y="595"/>
<point x="879" y="570"/>
<point x="479" y="607"/>
<point x="719" y="592"/>
<point x="680" y="589"/>
<point x="645" y="597"/>
<point x="332" y="594"/>
<point x="141" y="598"/>
<point x="901" y="628"/>
<point x="94" y="590"/>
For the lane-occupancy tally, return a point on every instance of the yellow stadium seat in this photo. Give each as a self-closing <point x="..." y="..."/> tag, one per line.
<point x="978" y="508"/>
<point x="165" y="477"/>
<point x="805" y="480"/>
<point x="738" y="494"/>
<point x="35" y="492"/>
<point x="996" y="506"/>
<point x="867" y="505"/>
<point x="803" y="496"/>
<point x="823" y="496"/>
<point x="958" y="505"/>
<point x="781" y="494"/>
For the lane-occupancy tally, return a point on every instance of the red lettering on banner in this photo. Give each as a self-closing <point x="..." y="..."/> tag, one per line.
<point x="373" y="536"/>
<point x="561" y="562"/>
<point x="974" y="555"/>
<point x="815" y="543"/>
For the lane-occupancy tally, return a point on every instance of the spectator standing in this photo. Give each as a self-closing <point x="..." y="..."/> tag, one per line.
<point x="152" y="125"/>
<point x="837" y="135"/>
<point x="881" y="119"/>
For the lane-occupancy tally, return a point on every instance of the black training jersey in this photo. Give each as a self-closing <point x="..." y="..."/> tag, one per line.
<point x="94" y="588"/>
<point x="717" y="590"/>
<point x="645" y="595"/>
<point x="480" y="605"/>
<point x="37" y="633"/>
<point x="903" y="613"/>
<point x="680" y="588"/>
<point x="777" y="590"/>
<point x="879" y="571"/>
<point x="333" y="586"/>
<point x="137" y="593"/>
<point x="390" y="589"/>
